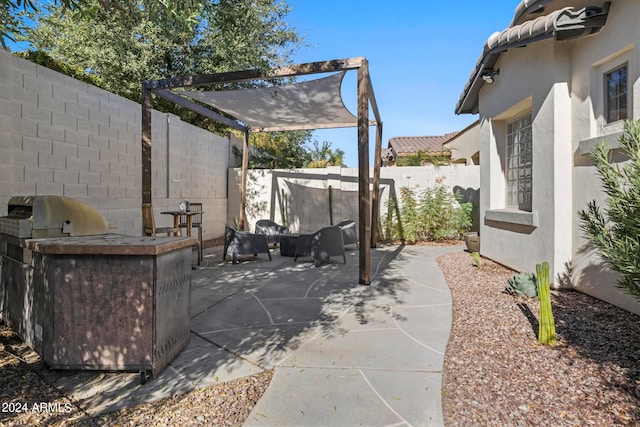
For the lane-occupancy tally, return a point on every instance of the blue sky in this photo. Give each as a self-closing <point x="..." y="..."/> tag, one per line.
<point x="420" y="55"/>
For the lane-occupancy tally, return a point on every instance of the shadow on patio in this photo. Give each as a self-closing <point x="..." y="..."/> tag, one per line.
<point x="257" y="314"/>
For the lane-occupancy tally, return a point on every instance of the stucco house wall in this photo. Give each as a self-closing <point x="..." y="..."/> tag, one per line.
<point x="561" y="84"/>
<point x="522" y="239"/>
<point x="60" y="136"/>
<point x="464" y="146"/>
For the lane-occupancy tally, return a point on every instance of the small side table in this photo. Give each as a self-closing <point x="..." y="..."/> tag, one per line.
<point x="288" y="244"/>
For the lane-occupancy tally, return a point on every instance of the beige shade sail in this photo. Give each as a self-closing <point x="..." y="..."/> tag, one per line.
<point x="313" y="104"/>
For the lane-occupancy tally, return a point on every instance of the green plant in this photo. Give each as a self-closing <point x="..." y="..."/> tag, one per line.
<point x="236" y="223"/>
<point x="522" y="284"/>
<point x="614" y="231"/>
<point x="330" y="205"/>
<point x="546" y="325"/>
<point x="433" y="214"/>
<point x="477" y="259"/>
<point x="421" y="158"/>
<point x="283" y="208"/>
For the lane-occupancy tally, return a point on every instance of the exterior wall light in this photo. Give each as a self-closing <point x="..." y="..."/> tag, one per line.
<point x="489" y="75"/>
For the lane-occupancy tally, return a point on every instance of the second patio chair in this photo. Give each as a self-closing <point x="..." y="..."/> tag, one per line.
<point x="244" y="243"/>
<point x="349" y="232"/>
<point x="324" y="243"/>
<point x="271" y="229"/>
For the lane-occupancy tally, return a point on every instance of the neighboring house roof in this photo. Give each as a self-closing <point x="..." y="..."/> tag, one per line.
<point x="563" y="24"/>
<point x="404" y="145"/>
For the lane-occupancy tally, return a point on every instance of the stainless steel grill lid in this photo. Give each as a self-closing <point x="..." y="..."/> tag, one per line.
<point x="50" y="216"/>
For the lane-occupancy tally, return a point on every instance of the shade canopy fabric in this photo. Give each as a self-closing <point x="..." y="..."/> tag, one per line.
<point x="313" y="104"/>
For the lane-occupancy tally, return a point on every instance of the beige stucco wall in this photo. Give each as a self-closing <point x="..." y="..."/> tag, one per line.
<point x="561" y="83"/>
<point x="60" y="136"/>
<point x="465" y="145"/>
<point x="305" y="192"/>
<point x="617" y="43"/>
<point x="522" y="240"/>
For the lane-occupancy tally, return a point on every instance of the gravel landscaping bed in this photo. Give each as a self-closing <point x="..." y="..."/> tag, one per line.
<point x="23" y="392"/>
<point x="495" y="374"/>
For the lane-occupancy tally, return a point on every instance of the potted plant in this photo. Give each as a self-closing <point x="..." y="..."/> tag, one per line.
<point x="472" y="240"/>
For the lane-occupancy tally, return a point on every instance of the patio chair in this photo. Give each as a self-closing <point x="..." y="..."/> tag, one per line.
<point x="149" y="224"/>
<point x="324" y="243"/>
<point x="271" y="229"/>
<point x="244" y="243"/>
<point x="349" y="232"/>
<point x="196" y="222"/>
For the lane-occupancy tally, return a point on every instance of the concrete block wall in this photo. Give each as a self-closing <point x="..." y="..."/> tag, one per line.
<point x="60" y="136"/>
<point x="303" y="194"/>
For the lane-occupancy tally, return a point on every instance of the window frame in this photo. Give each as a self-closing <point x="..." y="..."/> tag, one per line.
<point x="515" y="168"/>
<point x="607" y="99"/>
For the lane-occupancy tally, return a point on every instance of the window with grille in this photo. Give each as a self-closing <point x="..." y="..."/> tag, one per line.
<point x="519" y="163"/>
<point x="616" y="94"/>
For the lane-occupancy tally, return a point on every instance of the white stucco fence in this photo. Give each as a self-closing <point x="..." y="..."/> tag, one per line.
<point x="302" y="195"/>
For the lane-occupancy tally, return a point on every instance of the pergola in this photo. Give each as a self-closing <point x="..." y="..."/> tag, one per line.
<point x="314" y="104"/>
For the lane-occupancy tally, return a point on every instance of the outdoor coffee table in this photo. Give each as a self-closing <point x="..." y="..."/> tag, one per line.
<point x="288" y="244"/>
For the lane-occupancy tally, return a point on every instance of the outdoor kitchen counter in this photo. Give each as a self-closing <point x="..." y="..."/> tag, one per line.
<point x="105" y="302"/>
<point x="109" y="244"/>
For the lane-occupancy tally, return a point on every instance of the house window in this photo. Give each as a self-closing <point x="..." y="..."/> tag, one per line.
<point x="519" y="163"/>
<point x="616" y="94"/>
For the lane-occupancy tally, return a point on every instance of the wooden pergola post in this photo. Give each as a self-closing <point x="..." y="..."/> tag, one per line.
<point x="243" y="189"/>
<point x="364" y="211"/>
<point x="375" y="196"/>
<point x="146" y="145"/>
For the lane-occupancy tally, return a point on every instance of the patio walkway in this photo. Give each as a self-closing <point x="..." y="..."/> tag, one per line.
<point x="344" y="354"/>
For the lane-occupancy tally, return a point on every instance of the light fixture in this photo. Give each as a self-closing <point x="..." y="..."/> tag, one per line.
<point x="489" y="75"/>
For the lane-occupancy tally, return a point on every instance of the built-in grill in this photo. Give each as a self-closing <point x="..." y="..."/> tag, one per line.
<point x="46" y="216"/>
<point x="51" y="216"/>
<point x="83" y="298"/>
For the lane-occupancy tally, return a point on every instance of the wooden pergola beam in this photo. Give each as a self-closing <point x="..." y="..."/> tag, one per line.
<point x="305" y="127"/>
<point x="197" y="108"/>
<point x="247" y="75"/>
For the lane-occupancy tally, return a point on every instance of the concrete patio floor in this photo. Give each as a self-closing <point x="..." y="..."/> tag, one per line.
<point x="343" y="353"/>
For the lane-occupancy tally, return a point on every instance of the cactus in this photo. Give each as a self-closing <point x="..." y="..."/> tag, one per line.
<point x="283" y="208"/>
<point x="477" y="260"/>
<point x="330" y="205"/>
<point x="546" y="328"/>
<point x="523" y="284"/>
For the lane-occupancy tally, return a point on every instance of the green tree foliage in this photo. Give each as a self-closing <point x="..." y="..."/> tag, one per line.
<point x="12" y="12"/>
<point x="615" y="229"/>
<point x="422" y="158"/>
<point x="323" y="155"/>
<point x="146" y="42"/>
<point x="278" y="150"/>
<point x="119" y="44"/>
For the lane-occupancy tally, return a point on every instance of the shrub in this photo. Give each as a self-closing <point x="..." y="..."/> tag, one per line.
<point x="433" y="214"/>
<point x="522" y="284"/>
<point x="615" y="230"/>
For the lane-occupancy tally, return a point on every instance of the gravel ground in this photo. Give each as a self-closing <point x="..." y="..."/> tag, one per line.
<point x="22" y="392"/>
<point x="495" y="373"/>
